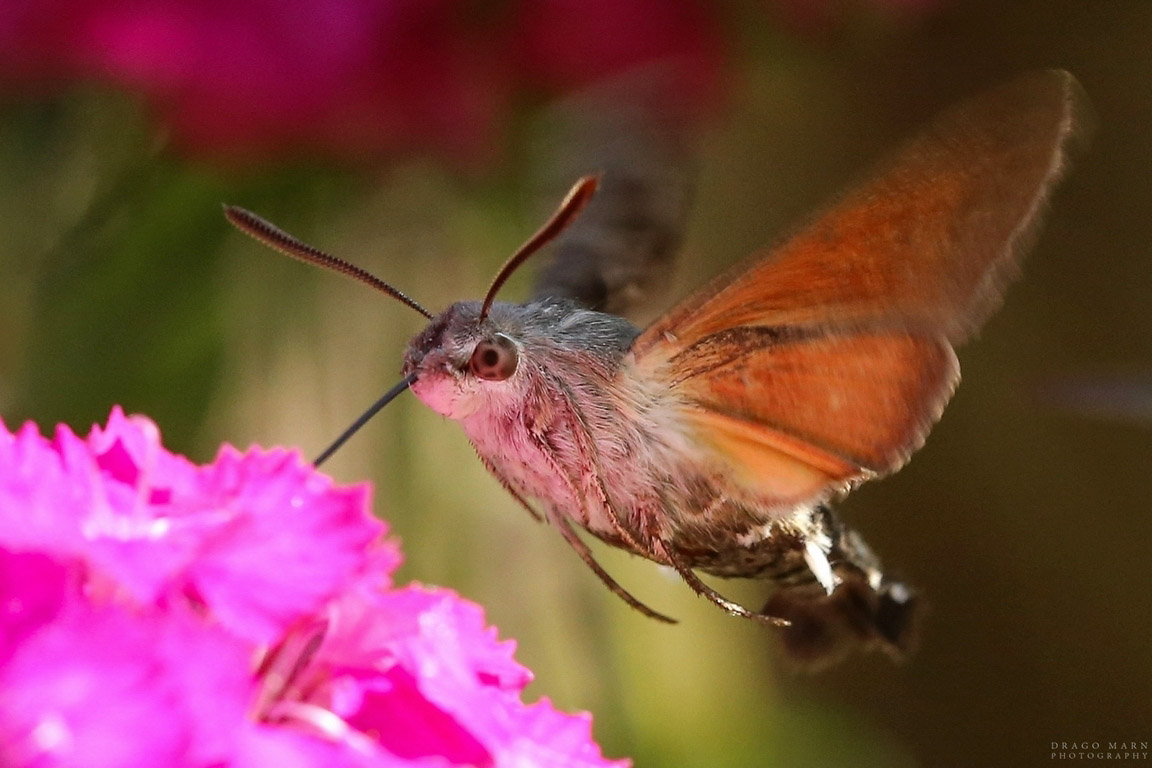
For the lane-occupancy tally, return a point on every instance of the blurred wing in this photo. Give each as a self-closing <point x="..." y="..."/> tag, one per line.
<point x="833" y="354"/>
<point x="620" y="253"/>
<point x="927" y="244"/>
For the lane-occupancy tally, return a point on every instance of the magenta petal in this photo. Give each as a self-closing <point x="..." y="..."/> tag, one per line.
<point x="416" y="727"/>
<point x="124" y="448"/>
<point x="133" y="583"/>
<point x="261" y="746"/>
<point x="210" y="671"/>
<point x="88" y="690"/>
<point x="420" y="669"/>
<point x="59" y="497"/>
<point x="128" y="450"/>
<point x="33" y="587"/>
<point x="450" y="637"/>
<point x="292" y="541"/>
<point x="543" y="736"/>
<point x="39" y="502"/>
<point x="99" y="686"/>
<point x="133" y="541"/>
<point x="261" y="539"/>
<point x="421" y="627"/>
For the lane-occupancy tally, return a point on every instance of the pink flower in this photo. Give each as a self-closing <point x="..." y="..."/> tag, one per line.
<point x="259" y="539"/>
<point x="94" y="684"/>
<point x="153" y="612"/>
<point x="419" y="668"/>
<point x="353" y="78"/>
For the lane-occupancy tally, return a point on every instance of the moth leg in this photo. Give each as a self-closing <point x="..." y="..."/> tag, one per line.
<point x="703" y="590"/>
<point x="588" y="445"/>
<point x="578" y="544"/>
<point x="615" y="517"/>
<point x="586" y="555"/>
<point x="657" y="548"/>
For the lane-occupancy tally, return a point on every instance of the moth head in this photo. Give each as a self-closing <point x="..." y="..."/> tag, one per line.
<point x="462" y="347"/>
<point x="468" y="357"/>
<point x="461" y="363"/>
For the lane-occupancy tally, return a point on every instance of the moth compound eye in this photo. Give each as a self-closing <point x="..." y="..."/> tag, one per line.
<point x="495" y="359"/>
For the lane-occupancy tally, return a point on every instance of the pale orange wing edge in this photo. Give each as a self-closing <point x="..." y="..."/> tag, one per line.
<point x="793" y="421"/>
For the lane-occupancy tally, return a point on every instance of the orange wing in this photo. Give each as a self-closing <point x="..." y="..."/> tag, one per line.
<point x="828" y="361"/>
<point x="794" y="416"/>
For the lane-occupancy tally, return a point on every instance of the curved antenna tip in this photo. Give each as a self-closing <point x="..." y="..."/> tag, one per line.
<point x="574" y="202"/>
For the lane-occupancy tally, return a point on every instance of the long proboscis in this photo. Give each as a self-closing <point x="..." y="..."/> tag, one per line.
<point x="388" y="397"/>
<point x="578" y="197"/>
<point x="272" y="236"/>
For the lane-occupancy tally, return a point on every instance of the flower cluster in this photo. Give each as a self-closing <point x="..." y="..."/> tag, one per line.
<point x="353" y="78"/>
<point x="155" y="612"/>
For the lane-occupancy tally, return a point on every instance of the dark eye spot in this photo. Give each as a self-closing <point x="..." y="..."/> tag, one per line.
<point x="495" y="359"/>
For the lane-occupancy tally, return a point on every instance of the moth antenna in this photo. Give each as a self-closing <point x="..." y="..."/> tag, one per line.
<point x="277" y="239"/>
<point x="574" y="202"/>
<point x="387" y="397"/>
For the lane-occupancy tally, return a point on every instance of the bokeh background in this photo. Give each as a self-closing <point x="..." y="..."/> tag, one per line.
<point x="403" y="134"/>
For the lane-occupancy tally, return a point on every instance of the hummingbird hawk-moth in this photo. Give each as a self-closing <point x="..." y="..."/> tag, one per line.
<point x="715" y="439"/>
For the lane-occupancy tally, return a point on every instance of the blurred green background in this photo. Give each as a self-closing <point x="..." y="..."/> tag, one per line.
<point x="1024" y="520"/>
